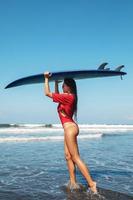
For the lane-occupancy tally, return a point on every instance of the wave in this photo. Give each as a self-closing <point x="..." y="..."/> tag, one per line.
<point x="42" y="128"/>
<point x="25" y="125"/>
<point x="52" y="138"/>
<point x="29" y="130"/>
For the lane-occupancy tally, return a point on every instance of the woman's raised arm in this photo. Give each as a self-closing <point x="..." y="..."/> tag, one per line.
<point x="56" y="87"/>
<point x="46" y="85"/>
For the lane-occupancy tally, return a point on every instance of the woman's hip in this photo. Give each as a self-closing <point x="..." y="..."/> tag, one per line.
<point x="71" y="127"/>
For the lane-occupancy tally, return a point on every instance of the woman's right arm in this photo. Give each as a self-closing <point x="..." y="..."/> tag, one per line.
<point x="46" y="85"/>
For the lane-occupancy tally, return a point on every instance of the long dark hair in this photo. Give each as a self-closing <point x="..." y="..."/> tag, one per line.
<point x="72" y="84"/>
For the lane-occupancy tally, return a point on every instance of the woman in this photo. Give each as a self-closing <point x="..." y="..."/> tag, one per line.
<point x="66" y="108"/>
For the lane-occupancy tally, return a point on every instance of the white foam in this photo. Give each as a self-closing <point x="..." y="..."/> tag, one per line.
<point x="90" y="136"/>
<point x="105" y="128"/>
<point x="28" y="139"/>
<point x="29" y="130"/>
<point x="84" y="128"/>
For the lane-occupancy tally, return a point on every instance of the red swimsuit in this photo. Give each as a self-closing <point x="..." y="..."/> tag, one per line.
<point x="65" y="107"/>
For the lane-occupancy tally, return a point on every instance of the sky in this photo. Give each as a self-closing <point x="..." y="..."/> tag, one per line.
<point x="54" y="35"/>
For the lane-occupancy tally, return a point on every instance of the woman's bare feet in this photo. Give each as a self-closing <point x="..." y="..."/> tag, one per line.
<point x="93" y="188"/>
<point x="73" y="185"/>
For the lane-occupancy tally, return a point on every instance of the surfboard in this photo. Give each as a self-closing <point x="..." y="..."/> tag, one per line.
<point x="75" y="74"/>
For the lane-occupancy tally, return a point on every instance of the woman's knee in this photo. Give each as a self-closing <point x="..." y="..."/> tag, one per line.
<point x="68" y="156"/>
<point x="75" y="157"/>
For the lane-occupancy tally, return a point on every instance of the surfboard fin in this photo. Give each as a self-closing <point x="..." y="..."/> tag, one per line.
<point x="118" y="69"/>
<point x="102" y="66"/>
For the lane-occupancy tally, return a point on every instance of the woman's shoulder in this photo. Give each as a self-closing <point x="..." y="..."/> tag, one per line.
<point x="68" y="95"/>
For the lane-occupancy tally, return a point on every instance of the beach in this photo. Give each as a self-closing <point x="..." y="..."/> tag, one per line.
<point x="32" y="164"/>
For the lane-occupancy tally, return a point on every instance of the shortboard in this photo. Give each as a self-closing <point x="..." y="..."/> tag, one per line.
<point x="75" y="74"/>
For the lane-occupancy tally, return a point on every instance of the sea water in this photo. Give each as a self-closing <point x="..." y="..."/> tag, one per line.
<point x="32" y="164"/>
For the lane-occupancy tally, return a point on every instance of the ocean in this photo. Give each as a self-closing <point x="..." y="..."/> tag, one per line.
<point x="32" y="164"/>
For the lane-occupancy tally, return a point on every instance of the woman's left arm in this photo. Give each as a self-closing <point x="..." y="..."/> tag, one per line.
<point x="56" y="87"/>
<point x="46" y="85"/>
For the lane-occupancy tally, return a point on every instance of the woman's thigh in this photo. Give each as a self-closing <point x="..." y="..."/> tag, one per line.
<point x="71" y="140"/>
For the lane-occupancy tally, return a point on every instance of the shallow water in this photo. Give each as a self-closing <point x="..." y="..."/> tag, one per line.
<point x="36" y="169"/>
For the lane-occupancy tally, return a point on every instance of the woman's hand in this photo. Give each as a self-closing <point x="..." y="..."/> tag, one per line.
<point x="47" y="74"/>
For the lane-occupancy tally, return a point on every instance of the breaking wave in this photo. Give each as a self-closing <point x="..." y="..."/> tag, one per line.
<point x="34" y="128"/>
<point x="54" y="132"/>
<point x="52" y="138"/>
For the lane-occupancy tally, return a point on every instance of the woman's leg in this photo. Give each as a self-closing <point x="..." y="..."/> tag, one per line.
<point x="70" y="164"/>
<point x="71" y="142"/>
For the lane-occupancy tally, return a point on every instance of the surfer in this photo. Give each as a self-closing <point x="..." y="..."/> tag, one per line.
<point x="67" y="107"/>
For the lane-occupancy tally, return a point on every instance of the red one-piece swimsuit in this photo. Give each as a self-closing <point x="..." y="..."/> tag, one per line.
<point x="66" y="106"/>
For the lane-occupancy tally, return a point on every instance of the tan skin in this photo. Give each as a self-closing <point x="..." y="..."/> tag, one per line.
<point x="71" y="132"/>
